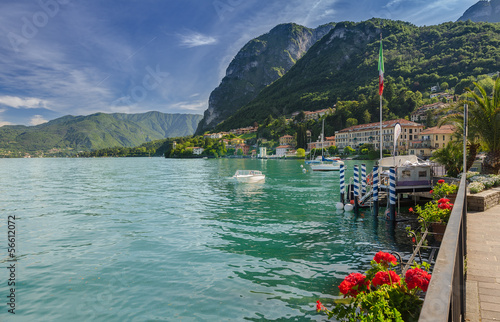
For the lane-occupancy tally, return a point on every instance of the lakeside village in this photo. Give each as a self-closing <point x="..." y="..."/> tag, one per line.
<point x="419" y="136"/>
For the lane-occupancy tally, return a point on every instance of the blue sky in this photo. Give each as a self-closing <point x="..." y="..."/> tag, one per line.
<point x="76" y="57"/>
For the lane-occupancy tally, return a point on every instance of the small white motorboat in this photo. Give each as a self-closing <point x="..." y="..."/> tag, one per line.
<point x="249" y="176"/>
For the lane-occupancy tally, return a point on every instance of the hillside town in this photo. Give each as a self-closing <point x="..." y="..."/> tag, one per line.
<point x="415" y="138"/>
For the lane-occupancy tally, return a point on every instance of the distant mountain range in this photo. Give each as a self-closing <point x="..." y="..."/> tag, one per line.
<point x="70" y="134"/>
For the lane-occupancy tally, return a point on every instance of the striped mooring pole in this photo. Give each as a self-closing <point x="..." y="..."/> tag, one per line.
<point x="363" y="180"/>
<point x="375" y="191"/>
<point x="392" y="194"/>
<point x="342" y="183"/>
<point x="356" y="187"/>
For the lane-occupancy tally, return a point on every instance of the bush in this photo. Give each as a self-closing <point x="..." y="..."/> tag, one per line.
<point x="476" y="187"/>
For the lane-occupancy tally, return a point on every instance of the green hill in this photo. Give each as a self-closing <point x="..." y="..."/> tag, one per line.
<point x="342" y="66"/>
<point x="70" y="134"/>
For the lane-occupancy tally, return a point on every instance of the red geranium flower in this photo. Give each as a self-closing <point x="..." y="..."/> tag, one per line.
<point x="353" y="284"/>
<point x="440" y="181"/>
<point x="385" y="277"/>
<point x="431" y="191"/>
<point x="385" y="258"/>
<point x="320" y="306"/>
<point x="411" y="209"/>
<point x="416" y="277"/>
<point x="443" y="200"/>
<point x="413" y="240"/>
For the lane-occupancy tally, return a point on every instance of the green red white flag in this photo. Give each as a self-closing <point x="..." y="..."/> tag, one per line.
<point x="380" y="70"/>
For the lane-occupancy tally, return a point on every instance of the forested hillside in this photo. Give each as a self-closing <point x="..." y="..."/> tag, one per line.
<point x="70" y="134"/>
<point x="341" y="70"/>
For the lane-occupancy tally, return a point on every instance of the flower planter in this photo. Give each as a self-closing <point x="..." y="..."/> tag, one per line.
<point x="452" y="197"/>
<point x="438" y="229"/>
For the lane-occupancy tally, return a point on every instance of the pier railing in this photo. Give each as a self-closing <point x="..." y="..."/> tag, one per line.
<point x="445" y="298"/>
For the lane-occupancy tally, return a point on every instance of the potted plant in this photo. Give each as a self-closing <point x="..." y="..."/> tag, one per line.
<point x="443" y="190"/>
<point x="436" y="215"/>
<point x="381" y="294"/>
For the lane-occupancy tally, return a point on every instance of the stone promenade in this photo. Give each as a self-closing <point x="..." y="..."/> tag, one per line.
<point x="483" y="265"/>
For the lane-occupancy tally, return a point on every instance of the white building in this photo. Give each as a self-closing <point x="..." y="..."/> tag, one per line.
<point x="358" y="135"/>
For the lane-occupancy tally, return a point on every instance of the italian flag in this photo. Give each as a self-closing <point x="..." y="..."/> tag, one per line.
<point x="380" y="70"/>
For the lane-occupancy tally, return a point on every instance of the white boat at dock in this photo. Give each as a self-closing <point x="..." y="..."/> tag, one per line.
<point x="327" y="166"/>
<point x="249" y="176"/>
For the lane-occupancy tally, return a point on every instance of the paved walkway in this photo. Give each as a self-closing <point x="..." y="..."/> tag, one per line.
<point x="483" y="265"/>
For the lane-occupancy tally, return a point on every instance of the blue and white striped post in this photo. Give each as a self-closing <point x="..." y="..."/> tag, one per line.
<point x="356" y="186"/>
<point x="392" y="194"/>
<point x="375" y="191"/>
<point x="363" y="180"/>
<point x="342" y="183"/>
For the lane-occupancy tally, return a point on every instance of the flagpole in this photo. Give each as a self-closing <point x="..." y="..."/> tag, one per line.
<point x="381" y="140"/>
<point x="381" y="89"/>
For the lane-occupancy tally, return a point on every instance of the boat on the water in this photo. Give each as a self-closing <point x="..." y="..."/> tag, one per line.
<point x="327" y="166"/>
<point x="326" y="163"/>
<point x="412" y="174"/>
<point x="249" y="176"/>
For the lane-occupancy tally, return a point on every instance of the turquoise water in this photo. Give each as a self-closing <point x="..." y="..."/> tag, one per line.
<point x="142" y="239"/>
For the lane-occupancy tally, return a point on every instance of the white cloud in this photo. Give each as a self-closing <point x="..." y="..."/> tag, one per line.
<point x="37" y="120"/>
<point x="195" y="39"/>
<point x="28" y="102"/>
<point x="196" y="106"/>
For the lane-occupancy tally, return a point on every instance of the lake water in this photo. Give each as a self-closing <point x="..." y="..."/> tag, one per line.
<point x="143" y="239"/>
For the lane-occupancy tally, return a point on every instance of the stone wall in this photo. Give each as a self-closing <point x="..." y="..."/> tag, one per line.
<point x="483" y="200"/>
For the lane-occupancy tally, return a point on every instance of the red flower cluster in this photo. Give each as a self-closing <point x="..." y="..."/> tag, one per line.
<point x="320" y="306"/>
<point x="416" y="277"/>
<point x="431" y="191"/>
<point x="385" y="258"/>
<point x="385" y="277"/>
<point x="354" y="284"/>
<point x="440" y="181"/>
<point x="444" y="203"/>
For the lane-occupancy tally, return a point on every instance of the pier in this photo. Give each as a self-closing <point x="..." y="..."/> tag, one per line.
<point x="483" y="265"/>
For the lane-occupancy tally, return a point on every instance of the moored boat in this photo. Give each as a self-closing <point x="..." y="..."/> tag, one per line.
<point x="249" y="176"/>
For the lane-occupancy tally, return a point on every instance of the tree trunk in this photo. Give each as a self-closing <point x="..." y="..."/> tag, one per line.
<point x="491" y="164"/>
<point x="471" y="156"/>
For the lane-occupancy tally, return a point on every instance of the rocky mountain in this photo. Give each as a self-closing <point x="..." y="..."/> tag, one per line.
<point x="484" y="10"/>
<point x="97" y="131"/>
<point x="342" y="66"/>
<point x="259" y="63"/>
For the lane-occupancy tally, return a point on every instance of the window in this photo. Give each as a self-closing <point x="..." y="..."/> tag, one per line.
<point x="406" y="174"/>
<point x="411" y="131"/>
<point x="422" y="174"/>
<point x="437" y="145"/>
<point x="443" y="137"/>
<point x="437" y="138"/>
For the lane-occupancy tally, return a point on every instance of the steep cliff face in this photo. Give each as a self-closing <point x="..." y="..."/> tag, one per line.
<point x="487" y="11"/>
<point x="259" y="63"/>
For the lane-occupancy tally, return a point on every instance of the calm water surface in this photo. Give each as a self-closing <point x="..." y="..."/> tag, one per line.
<point x="143" y="239"/>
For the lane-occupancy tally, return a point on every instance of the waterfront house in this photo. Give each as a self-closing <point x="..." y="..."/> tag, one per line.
<point x="286" y="139"/>
<point x="431" y="139"/>
<point x="282" y="150"/>
<point x="357" y="135"/>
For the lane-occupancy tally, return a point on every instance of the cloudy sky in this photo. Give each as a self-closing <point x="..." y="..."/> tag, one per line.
<point x="76" y="57"/>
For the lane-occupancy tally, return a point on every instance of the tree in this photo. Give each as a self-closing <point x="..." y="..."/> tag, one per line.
<point x="473" y="144"/>
<point x="301" y="153"/>
<point x="351" y="122"/>
<point x="348" y="150"/>
<point x="450" y="157"/>
<point x="484" y="119"/>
